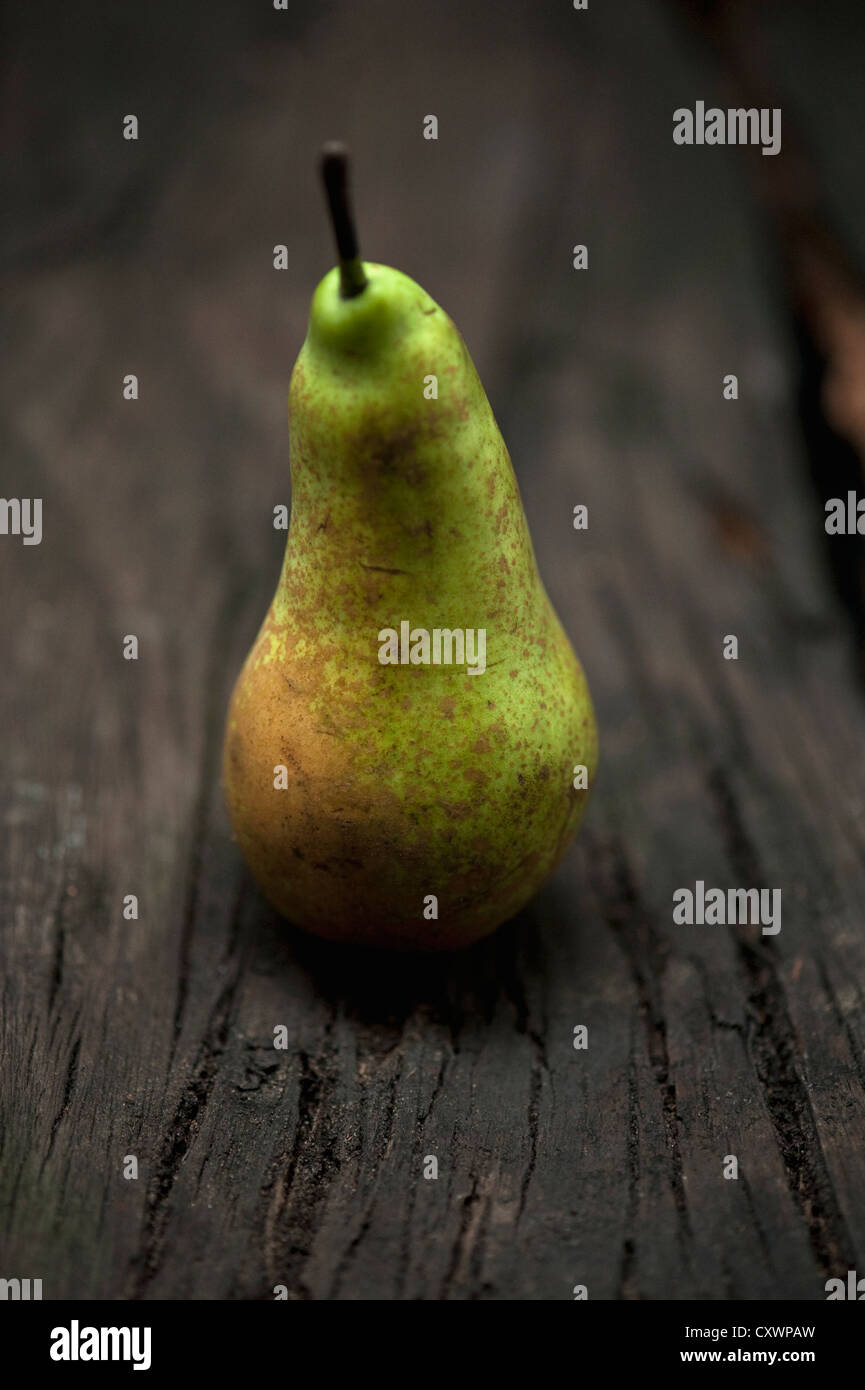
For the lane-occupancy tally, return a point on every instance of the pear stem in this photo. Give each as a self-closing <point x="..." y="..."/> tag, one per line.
<point x="334" y="172"/>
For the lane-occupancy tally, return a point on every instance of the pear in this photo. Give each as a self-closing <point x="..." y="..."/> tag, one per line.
<point x="401" y="742"/>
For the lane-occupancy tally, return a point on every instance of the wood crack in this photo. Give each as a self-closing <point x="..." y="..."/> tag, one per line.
<point x="646" y="956"/>
<point x="300" y="1181"/>
<point x="776" y="1055"/>
<point x="179" y="1137"/>
<point x="68" y="1089"/>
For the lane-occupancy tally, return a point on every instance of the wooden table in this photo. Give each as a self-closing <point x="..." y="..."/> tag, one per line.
<point x="153" y="1038"/>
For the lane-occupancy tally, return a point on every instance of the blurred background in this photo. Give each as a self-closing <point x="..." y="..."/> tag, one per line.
<point x="155" y="257"/>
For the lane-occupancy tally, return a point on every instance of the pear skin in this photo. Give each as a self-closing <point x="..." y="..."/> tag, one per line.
<point x="403" y="783"/>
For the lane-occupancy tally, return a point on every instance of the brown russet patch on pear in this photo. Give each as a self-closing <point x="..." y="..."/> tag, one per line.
<point x="475" y="774"/>
<point x="459" y="810"/>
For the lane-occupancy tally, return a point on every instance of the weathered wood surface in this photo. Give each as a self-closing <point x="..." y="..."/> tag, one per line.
<point x="154" y="1037"/>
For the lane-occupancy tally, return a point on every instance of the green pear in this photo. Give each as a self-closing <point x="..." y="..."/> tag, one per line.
<point x="402" y="740"/>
